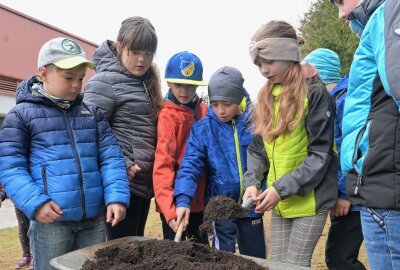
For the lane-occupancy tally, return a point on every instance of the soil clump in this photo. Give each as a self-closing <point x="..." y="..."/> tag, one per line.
<point x="221" y="208"/>
<point x="165" y="254"/>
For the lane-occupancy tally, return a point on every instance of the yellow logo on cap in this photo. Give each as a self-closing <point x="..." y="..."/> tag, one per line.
<point x="187" y="68"/>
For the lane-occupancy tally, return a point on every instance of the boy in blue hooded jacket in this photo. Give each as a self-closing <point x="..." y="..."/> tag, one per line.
<point x="218" y="143"/>
<point x="59" y="160"/>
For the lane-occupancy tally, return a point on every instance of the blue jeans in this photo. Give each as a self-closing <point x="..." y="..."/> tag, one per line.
<point x="381" y="230"/>
<point x="248" y="232"/>
<point x="52" y="240"/>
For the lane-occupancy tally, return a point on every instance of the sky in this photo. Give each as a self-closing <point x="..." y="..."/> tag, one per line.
<point x="218" y="31"/>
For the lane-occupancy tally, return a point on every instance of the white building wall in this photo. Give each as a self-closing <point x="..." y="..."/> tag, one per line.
<point x="6" y="104"/>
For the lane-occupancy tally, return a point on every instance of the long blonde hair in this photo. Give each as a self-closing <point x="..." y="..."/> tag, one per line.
<point x="294" y="91"/>
<point x="137" y="34"/>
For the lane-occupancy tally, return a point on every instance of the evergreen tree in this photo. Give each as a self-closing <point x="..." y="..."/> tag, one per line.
<point x="321" y="28"/>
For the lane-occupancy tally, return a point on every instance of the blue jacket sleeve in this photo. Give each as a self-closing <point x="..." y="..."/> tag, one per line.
<point x="112" y="165"/>
<point x="191" y="168"/>
<point x="14" y="167"/>
<point x="338" y="138"/>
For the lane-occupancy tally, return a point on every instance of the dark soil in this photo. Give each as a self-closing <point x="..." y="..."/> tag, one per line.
<point x="221" y="208"/>
<point x="165" y="254"/>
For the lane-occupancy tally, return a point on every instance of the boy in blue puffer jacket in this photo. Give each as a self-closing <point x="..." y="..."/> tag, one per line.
<point x="218" y="143"/>
<point x="59" y="160"/>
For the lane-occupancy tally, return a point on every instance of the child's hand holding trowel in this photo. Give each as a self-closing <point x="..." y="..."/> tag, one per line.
<point x="182" y="218"/>
<point x="250" y="192"/>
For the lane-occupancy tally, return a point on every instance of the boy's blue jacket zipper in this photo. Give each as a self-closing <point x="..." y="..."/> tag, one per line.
<point x="78" y="162"/>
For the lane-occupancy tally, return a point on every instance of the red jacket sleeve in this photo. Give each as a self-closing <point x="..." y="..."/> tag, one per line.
<point x="164" y="165"/>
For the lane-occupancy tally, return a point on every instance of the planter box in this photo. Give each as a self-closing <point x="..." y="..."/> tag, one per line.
<point x="75" y="260"/>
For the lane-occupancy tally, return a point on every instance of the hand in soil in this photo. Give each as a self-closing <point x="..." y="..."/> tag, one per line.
<point x="165" y="254"/>
<point x="221" y="208"/>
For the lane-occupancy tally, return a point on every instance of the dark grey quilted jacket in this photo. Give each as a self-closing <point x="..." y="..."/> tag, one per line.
<point x="127" y="105"/>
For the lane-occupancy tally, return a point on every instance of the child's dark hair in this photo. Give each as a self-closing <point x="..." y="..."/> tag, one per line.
<point x="138" y="34"/>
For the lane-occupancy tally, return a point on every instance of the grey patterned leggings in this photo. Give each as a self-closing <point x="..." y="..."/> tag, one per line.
<point x="23" y="226"/>
<point x="293" y="239"/>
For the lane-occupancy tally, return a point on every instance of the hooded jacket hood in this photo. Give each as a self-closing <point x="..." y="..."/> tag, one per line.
<point x="364" y="11"/>
<point x="105" y="58"/>
<point x="24" y="93"/>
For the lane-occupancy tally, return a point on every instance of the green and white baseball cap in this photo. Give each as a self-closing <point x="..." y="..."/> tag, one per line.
<point x="64" y="53"/>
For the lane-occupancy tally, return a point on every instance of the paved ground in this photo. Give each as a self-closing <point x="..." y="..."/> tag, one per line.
<point x="7" y="215"/>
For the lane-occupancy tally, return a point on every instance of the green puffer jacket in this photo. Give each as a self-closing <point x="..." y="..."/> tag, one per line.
<point x="301" y="165"/>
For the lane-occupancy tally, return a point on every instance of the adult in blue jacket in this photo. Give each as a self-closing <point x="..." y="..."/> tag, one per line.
<point x="218" y="144"/>
<point x="371" y="126"/>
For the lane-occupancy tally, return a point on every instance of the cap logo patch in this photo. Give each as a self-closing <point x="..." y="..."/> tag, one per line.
<point x="187" y="68"/>
<point x="71" y="46"/>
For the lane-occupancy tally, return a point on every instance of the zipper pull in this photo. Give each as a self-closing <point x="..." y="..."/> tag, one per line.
<point x="359" y="181"/>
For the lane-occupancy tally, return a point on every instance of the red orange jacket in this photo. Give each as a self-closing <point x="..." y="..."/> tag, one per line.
<point x="174" y="124"/>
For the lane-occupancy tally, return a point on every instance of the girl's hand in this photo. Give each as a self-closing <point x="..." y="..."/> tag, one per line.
<point x="133" y="170"/>
<point x="251" y="191"/>
<point x="182" y="213"/>
<point x="268" y="200"/>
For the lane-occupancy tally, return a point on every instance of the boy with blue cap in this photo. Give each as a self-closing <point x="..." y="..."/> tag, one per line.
<point x="181" y="109"/>
<point x="345" y="234"/>
<point x="218" y="144"/>
<point x="59" y="160"/>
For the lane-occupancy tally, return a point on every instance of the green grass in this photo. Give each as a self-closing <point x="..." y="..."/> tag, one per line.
<point x="10" y="248"/>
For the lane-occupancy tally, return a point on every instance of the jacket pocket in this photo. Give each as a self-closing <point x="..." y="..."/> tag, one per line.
<point x="361" y="147"/>
<point x="360" y="154"/>
<point x="44" y="177"/>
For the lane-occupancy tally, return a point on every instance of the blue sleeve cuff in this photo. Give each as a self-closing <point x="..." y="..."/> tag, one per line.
<point x="183" y="200"/>
<point x="342" y="195"/>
